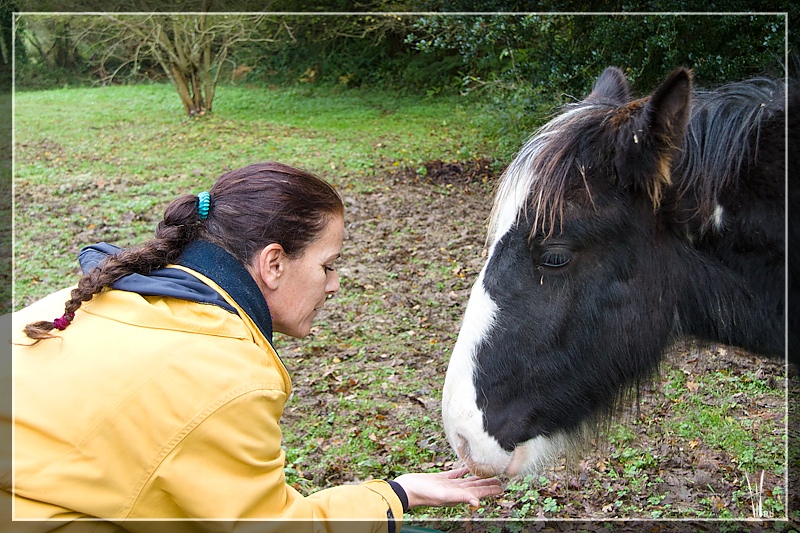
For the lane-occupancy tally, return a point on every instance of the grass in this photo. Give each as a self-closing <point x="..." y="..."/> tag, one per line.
<point x="715" y="414"/>
<point x="315" y="129"/>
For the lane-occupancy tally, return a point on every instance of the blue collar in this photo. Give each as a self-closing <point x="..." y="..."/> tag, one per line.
<point x="223" y="269"/>
<point x="201" y="256"/>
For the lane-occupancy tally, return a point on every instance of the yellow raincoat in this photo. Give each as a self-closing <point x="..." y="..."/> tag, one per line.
<point x="156" y="407"/>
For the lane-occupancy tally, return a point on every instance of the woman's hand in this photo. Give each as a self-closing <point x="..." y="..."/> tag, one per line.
<point x="447" y="488"/>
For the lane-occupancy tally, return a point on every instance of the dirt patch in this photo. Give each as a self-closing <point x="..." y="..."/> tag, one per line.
<point x="462" y="173"/>
<point x="412" y="249"/>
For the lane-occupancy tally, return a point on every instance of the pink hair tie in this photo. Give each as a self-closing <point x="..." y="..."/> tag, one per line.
<point x="62" y="322"/>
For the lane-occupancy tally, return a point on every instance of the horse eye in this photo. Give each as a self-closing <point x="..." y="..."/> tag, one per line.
<point x="555" y="258"/>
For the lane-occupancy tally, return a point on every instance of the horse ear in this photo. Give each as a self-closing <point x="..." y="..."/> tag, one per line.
<point x="610" y="86"/>
<point x="668" y="108"/>
<point x="653" y="138"/>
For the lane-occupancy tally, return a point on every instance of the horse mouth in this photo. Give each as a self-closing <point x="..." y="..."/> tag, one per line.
<point x="519" y="458"/>
<point x="476" y="468"/>
<point x="512" y="468"/>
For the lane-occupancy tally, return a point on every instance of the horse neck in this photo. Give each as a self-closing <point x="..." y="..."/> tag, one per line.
<point x="716" y="303"/>
<point x="731" y="232"/>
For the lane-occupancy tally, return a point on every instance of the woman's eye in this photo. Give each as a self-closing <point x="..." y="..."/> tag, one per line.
<point x="328" y="268"/>
<point x="555" y="258"/>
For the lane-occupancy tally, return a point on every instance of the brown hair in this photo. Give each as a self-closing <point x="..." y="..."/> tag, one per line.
<point x="251" y="207"/>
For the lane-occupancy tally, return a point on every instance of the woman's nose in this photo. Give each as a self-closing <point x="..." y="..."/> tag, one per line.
<point x="333" y="285"/>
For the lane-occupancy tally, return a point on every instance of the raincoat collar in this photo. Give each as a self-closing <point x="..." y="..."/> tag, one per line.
<point x="204" y="258"/>
<point x="223" y="269"/>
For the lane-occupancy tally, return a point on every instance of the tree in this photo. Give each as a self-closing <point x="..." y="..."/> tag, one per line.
<point x="190" y="48"/>
<point x="8" y="38"/>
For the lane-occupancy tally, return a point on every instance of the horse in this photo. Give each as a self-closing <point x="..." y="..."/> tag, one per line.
<point x="620" y="227"/>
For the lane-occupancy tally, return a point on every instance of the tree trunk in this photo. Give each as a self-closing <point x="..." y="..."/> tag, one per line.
<point x="182" y="86"/>
<point x="64" y="48"/>
<point x="207" y="84"/>
<point x="197" y="91"/>
<point x="185" y="72"/>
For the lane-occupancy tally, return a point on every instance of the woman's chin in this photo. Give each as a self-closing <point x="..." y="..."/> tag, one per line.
<point x="298" y="333"/>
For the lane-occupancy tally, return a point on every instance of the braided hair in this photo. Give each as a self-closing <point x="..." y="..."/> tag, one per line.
<point x="250" y="208"/>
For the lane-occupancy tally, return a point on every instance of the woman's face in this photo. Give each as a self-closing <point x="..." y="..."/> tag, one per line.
<point x="306" y="281"/>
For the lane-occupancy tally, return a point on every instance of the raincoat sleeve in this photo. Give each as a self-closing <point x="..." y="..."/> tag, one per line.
<point x="229" y="465"/>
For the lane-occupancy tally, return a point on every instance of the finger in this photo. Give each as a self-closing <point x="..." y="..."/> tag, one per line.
<point x="483" y="492"/>
<point x="489" y="490"/>
<point x="480" y="482"/>
<point x="457" y="473"/>
<point x="483" y="488"/>
<point x="476" y="495"/>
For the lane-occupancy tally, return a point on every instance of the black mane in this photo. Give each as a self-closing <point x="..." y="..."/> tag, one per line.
<point x="723" y="137"/>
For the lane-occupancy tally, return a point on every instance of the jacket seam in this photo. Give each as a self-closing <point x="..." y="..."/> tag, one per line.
<point x="181" y="328"/>
<point x="170" y="446"/>
<point x="390" y="516"/>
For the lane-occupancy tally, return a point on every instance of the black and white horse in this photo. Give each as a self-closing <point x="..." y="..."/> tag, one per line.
<point x="621" y="225"/>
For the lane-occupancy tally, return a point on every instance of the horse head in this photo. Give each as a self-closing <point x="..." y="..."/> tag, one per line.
<point x="589" y="277"/>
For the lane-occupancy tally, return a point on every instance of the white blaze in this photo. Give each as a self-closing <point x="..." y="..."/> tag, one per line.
<point x="463" y="421"/>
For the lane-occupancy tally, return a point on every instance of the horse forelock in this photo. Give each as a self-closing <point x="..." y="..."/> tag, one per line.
<point x="539" y="176"/>
<point x="721" y="140"/>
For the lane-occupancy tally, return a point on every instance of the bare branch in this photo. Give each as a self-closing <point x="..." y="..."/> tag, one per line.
<point x="190" y="49"/>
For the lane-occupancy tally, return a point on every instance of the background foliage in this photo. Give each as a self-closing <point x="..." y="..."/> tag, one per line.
<point x="438" y="52"/>
<point x="521" y="66"/>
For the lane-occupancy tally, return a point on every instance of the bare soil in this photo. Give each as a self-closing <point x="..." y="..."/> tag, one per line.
<point x="412" y="221"/>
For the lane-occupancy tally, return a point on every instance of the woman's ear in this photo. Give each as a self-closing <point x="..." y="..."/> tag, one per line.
<point x="270" y="263"/>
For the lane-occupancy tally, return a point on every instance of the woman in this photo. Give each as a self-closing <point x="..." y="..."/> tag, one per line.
<point x="156" y="392"/>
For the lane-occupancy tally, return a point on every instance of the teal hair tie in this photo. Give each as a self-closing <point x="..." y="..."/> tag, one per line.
<point x="203" y="204"/>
